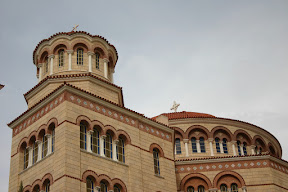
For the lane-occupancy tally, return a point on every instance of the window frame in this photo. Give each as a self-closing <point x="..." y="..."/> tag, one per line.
<point x="194" y="145"/>
<point x="97" y="60"/>
<point x="61" y="58"/>
<point x="83" y="136"/>
<point x="202" y="145"/>
<point x="120" y="148"/>
<point x="225" y="146"/>
<point x="95" y="138"/>
<point x="108" y="142"/>
<point x="44" y="146"/>
<point x="178" y="146"/>
<point x="217" y="144"/>
<point x="80" y="56"/>
<point x="156" y="161"/>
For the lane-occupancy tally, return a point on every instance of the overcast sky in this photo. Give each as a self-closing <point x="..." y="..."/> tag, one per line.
<point x="225" y="58"/>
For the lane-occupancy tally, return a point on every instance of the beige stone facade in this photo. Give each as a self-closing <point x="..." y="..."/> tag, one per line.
<point x="77" y="135"/>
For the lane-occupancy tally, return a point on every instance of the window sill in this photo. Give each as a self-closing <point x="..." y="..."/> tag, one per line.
<point x="159" y="176"/>
<point x="36" y="163"/>
<point x="106" y="158"/>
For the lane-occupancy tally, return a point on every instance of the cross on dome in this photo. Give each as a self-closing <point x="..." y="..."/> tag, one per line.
<point x="175" y="106"/>
<point x="75" y="28"/>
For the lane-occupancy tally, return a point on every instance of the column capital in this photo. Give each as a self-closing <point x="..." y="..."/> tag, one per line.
<point x="29" y="148"/>
<point x="40" y="64"/>
<point x="233" y="142"/>
<point x="253" y="146"/>
<point x="48" y="135"/>
<point x="210" y="139"/>
<point x="106" y="60"/>
<point x="90" y="53"/>
<point x="70" y="51"/>
<point x="103" y="136"/>
<point x="213" y="190"/>
<point x="38" y="142"/>
<point x="51" y="56"/>
<point x="185" y="140"/>
<point x="90" y="132"/>
<point x="116" y="141"/>
<point x="197" y="141"/>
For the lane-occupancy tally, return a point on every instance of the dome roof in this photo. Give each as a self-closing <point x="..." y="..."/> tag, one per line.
<point x="185" y="114"/>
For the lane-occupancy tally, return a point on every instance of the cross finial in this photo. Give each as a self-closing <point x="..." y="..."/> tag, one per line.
<point x="75" y="28"/>
<point x="175" y="106"/>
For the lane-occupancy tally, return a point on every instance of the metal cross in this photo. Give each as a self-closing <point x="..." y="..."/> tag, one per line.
<point x="75" y="28"/>
<point x="175" y="106"/>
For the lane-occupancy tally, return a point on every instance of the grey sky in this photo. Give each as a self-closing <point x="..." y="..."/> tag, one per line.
<point x="225" y="58"/>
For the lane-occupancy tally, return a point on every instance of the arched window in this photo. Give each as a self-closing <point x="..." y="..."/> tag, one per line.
<point x="225" y="149"/>
<point x="256" y="149"/>
<point x="47" y="186"/>
<point x="190" y="189"/>
<point x="103" y="187"/>
<point x="260" y="150"/>
<point x="217" y="145"/>
<point x="108" y="146"/>
<point x="53" y="140"/>
<point x="35" y="152"/>
<point x="36" y="188"/>
<point x="177" y="146"/>
<point x="46" y="65"/>
<point x="26" y="157"/>
<point x="83" y="136"/>
<point x="121" y="150"/>
<point x="44" y="146"/>
<point x="95" y="141"/>
<point x="79" y="56"/>
<point x="156" y="162"/>
<point x="245" y="148"/>
<point x="239" y="147"/>
<point x="194" y="146"/>
<point x="97" y="56"/>
<point x="116" y="188"/>
<point x="89" y="185"/>
<point x="201" y="189"/>
<point x="61" y="58"/>
<point x="234" y="187"/>
<point x="202" y="145"/>
<point x="223" y="188"/>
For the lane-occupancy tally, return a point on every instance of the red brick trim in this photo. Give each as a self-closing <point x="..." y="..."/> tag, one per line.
<point x="195" y="175"/>
<point x="155" y="145"/>
<point x="190" y="130"/>
<point x="225" y="173"/>
<point x="217" y="128"/>
<point x="241" y="131"/>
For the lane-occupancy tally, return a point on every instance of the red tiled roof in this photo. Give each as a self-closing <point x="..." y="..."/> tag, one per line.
<point x="71" y="33"/>
<point x="184" y="115"/>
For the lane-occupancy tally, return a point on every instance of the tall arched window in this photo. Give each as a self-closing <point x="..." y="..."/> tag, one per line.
<point x="79" y="56"/>
<point x="177" y="146"/>
<point x="194" y="146"/>
<point x="190" y="189"/>
<point x="83" y="136"/>
<point x="234" y="187"/>
<point x="245" y="148"/>
<point x="217" y="145"/>
<point x="108" y="146"/>
<point x="35" y="152"/>
<point x="156" y="162"/>
<point x="201" y="189"/>
<point x="116" y="188"/>
<point x="46" y="65"/>
<point x="44" y="146"/>
<point x="103" y="187"/>
<point x="223" y="188"/>
<point x="121" y="150"/>
<point x="47" y="186"/>
<point x="239" y="147"/>
<point x="26" y="157"/>
<point x="202" y="145"/>
<point x="95" y="141"/>
<point x="36" y="188"/>
<point x="89" y="185"/>
<point x="97" y="56"/>
<point x="53" y="140"/>
<point x="61" y="58"/>
<point x="225" y="149"/>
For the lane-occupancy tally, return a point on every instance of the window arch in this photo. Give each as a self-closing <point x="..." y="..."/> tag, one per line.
<point x="61" y="57"/>
<point x="201" y="188"/>
<point x="26" y="157"/>
<point x="95" y="141"/>
<point x="44" y="146"/>
<point x="202" y="145"/>
<point x="194" y="146"/>
<point x="46" y="65"/>
<point x="89" y="185"/>
<point x="83" y="135"/>
<point x="103" y="187"/>
<point x="245" y="148"/>
<point x="108" y="146"/>
<point x="225" y="148"/>
<point x="121" y="150"/>
<point x="80" y="56"/>
<point x="217" y="145"/>
<point x="234" y="187"/>
<point x="156" y="161"/>
<point x="97" y="56"/>
<point x="47" y="186"/>
<point x="239" y="147"/>
<point x="117" y="189"/>
<point x="190" y="189"/>
<point x="223" y="188"/>
<point x="177" y="146"/>
<point x="36" y="188"/>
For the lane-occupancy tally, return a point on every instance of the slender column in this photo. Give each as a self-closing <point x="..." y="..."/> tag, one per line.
<point x="89" y="135"/>
<point x="229" y="190"/>
<point x="40" y="65"/>
<point x="102" y="140"/>
<point x="106" y="68"/>
<point x="186" y="141"/>
<point x="211" y="146"/>
<point x="198" y="146"/>
<point x="90" y="60"/>
<point x="98" y="189"/>
<point x="213" y="190"/>
<point x="252" y="149"/>
<point x="241" y="148"/>
<point x="221" y="146"/>
<point x="111" y="75"/>
<point x="244" y="189"/>
<point x="110" y="191"/>
<point x="114" y="150"/>
<point x="30" y="156"/>
<point x="70" y="52"/>
<point x="39" y="150"/>
<point x="49" y="143"/>
<point x="233" y="147"/>
<point x="51" y="63"/>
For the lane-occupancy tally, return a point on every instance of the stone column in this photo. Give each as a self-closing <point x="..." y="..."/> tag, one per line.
<point x="30" y="156"/>
<point x="51" y="63"/>
<point x="89" y="136"/>
<point x="90" y="60"/>
<point x="253" y="149"/>
<point x="114" y="150"/>
<point x="39" y="143"/>
<point x="221" y="146"/>
<point x="213" y="190"/>
<point x="40" y="65"/>
<point x="186" y="141"/>
<point x="98" y="189"/>
<point x="198" y="146"/>
<point x="102" y="140"/>
<point x="244" y="189"/>
<point x="70" y="52"/>
<point x="233" y="147"/>
<point x="211" y="146"/>
<point x="105" y="60"/>
<point x="111" y="75"/>
<point x="241" y="148"/>
<point x="49" y="144"/>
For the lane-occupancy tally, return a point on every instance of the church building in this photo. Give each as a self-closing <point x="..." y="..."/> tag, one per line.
<point x="78" y="136"/>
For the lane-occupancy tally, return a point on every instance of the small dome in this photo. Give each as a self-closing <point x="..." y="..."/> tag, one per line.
<point x="185" y="114"/>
